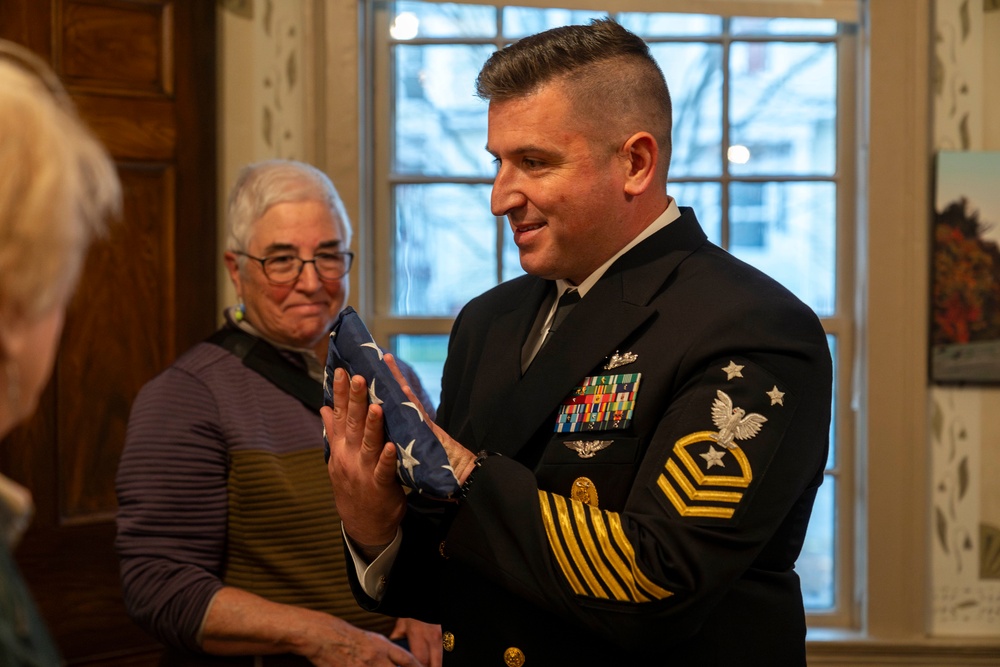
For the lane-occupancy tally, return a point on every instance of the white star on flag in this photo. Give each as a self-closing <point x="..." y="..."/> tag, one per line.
<point x="410" y="404"/>
<point x="375" y="347"/>
<point x="409" y="460"/>
<point x="375" y="400"/>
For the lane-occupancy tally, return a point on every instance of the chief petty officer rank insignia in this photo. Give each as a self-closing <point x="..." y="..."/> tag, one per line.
<point x="599" y="403"/>
<point x="708" y="472"/>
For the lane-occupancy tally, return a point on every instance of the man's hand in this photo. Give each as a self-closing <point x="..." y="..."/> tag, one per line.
<point x="461" y="459"/>
<point x="424" y="640"/>
<point x="362" y="465"/>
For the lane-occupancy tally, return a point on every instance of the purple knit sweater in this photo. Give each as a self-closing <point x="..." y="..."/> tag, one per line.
<point x="222" y="482"/>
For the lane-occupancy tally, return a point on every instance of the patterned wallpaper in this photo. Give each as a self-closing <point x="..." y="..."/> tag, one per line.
<point x="277" y="97"/>
<point x="964" y="440"/>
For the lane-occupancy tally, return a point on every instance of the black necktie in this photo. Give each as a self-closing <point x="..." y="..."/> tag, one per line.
<point x="570" y="298"/>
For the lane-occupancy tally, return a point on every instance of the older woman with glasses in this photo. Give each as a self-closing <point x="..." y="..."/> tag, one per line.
<point x="229" y="539"/>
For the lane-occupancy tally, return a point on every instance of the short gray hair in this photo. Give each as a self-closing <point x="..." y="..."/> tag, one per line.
<point x="59" y="185"/>
<point x="262" y="185"/>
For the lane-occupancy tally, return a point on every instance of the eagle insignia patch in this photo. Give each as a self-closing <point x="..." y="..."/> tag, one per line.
<point x="586" y="449"/>
<point x="734" y="423"/>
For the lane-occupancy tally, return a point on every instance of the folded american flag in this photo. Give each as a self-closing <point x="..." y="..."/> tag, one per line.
<point x="421" y="462"/>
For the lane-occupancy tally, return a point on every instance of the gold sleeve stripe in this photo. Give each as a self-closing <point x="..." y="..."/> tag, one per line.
<point x="597" y="517"/>
<point x="694" y="494"/>
<point x="556" y="546"/>
<point x="580" y="515"/>
<point x="604" y="542"/>
<point x="626" y="548"/>
<point x="697" y="510"/>
<point x="566" y="528"/>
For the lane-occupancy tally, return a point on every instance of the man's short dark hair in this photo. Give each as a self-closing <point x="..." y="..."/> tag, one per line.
<point x="611" y="76"/>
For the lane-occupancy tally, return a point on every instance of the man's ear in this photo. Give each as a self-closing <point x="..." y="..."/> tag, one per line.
<point x="641" y="154"/>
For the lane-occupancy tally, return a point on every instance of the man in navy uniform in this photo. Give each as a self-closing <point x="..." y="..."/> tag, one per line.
<point x="638" y="467"/>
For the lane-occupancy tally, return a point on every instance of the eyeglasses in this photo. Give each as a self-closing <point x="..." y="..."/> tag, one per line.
<point x="286" y="269"/>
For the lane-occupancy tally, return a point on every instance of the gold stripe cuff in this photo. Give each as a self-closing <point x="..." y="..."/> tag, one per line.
<point x="556" y="545"/>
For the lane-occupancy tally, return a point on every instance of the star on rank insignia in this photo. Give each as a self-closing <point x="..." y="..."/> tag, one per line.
<point x="695" y="490"/>
<point x="777" y="397"/>
<point x="713" y="457"/>
<point x="733" y="370"/>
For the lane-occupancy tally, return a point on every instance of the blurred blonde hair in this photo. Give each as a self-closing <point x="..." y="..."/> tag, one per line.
<point x="57" y="187"/>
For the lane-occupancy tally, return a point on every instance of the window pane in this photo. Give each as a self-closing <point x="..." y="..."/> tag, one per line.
<point x="788" y="231"/>
<point x="523" y="21"/>
<point x="445" y="247"/>
<point x="430" y="19"/>
<point x="706" y="200"/>
<point x="779" y="26"/>
<point x="783" y="101"/>
<point x="664" y="25"/>
<point x="440" y="124"/>
<point x="816" y="562"/>
<point x="694" y="76"/>
<point x="426" y="355"/>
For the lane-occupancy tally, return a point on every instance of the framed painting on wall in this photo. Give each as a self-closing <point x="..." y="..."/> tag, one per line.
<point x="965" y="269"/>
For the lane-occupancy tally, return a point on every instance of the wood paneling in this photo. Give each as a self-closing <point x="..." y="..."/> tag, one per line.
<point x="133" y="129"/>
<point x="122" y="46"/>
<point x="127" y="288"/>
<point x="142" y="73"/>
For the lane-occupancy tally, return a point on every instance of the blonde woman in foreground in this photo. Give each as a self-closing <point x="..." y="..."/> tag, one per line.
<point x="57" y="186"/>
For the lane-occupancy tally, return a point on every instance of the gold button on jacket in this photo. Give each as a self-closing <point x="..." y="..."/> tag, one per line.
<point x="513" y="657"/>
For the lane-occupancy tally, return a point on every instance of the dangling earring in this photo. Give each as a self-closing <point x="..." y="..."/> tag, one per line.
<point x="240" y="312"/>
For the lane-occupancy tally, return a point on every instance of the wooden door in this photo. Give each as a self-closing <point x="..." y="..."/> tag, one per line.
<point x="142" y="73"/>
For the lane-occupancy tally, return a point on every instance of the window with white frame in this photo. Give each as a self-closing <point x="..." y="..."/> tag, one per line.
<point x="763" y="150"/>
